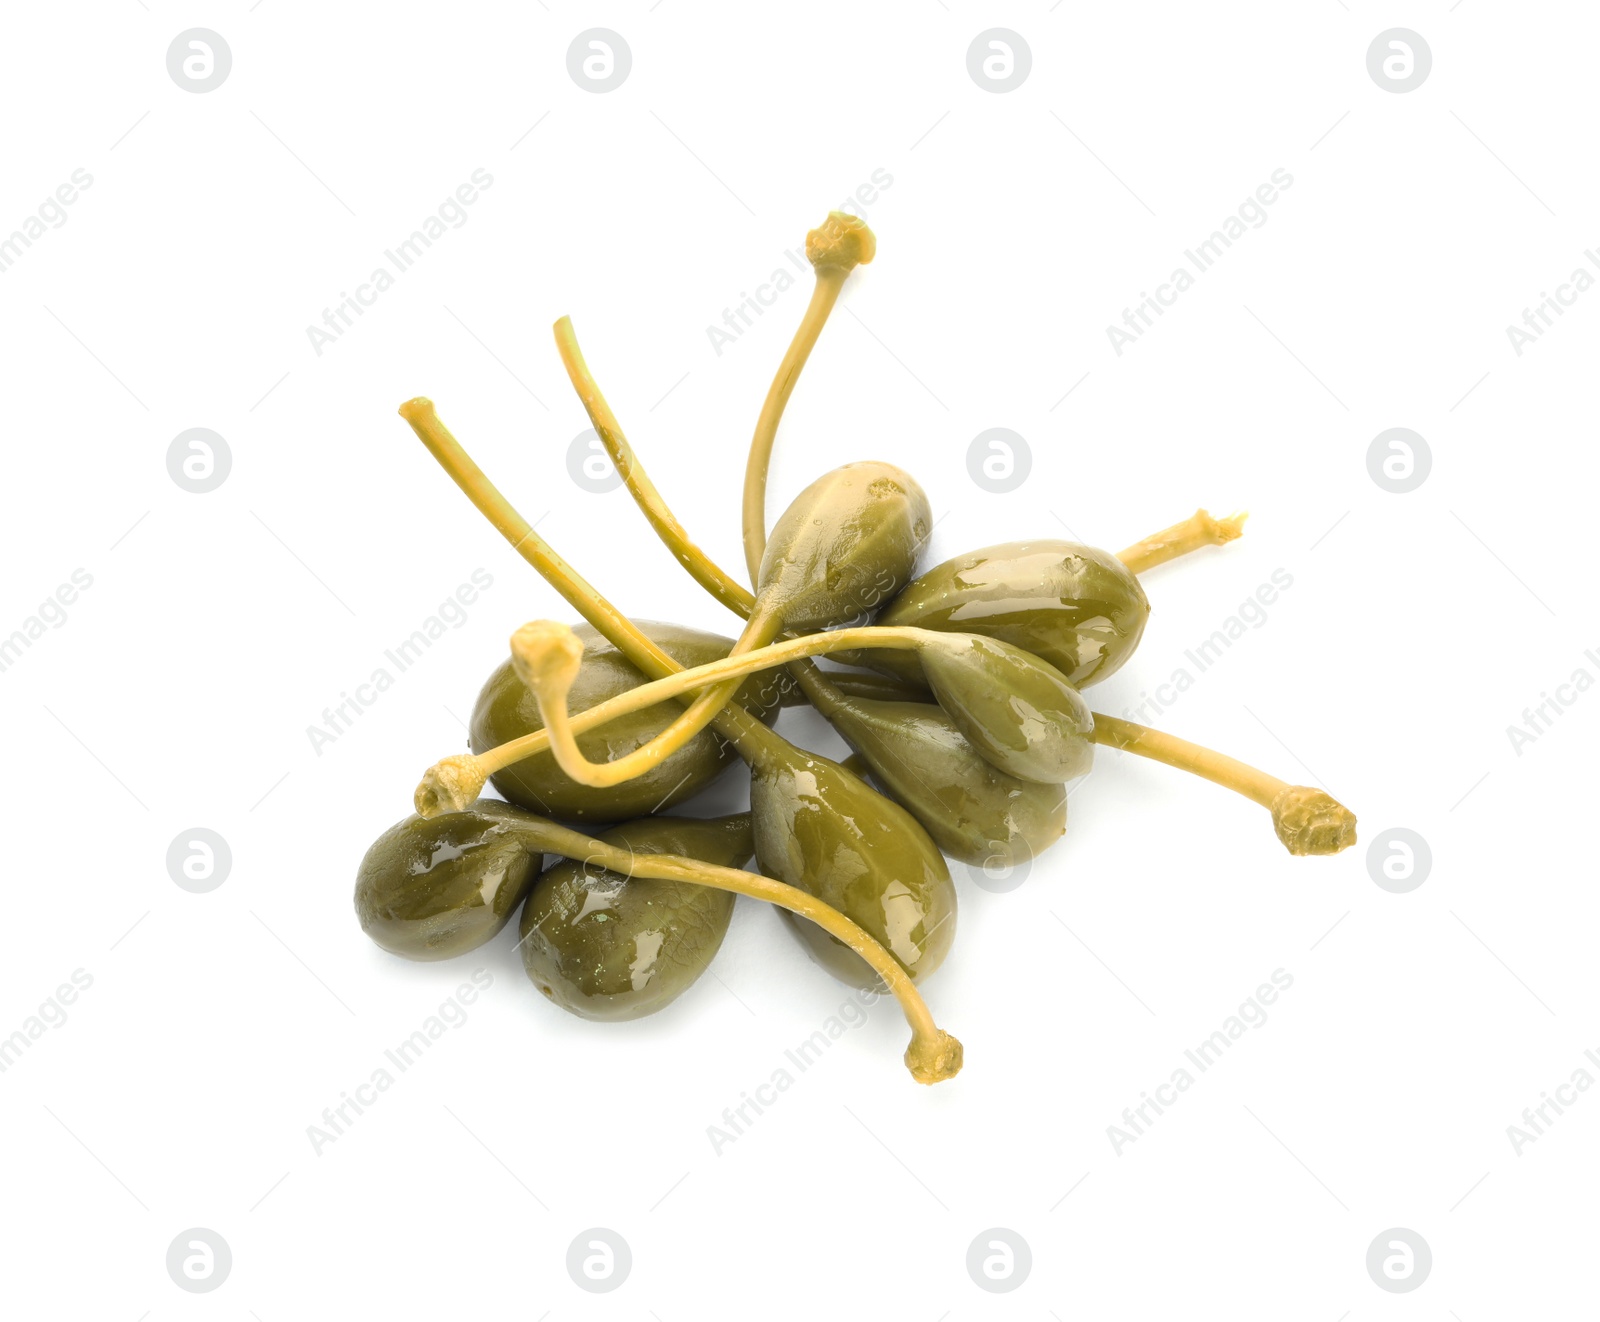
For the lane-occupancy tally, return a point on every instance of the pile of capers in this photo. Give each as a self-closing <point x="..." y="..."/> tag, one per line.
<point x="962" y="703"/>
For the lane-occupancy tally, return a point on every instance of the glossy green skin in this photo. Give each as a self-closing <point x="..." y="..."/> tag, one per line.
<point x="438" y="887"/>
<point x="847" y="544"/>
<point x="826" y="831"/>
<point x="1079" y="608"/>
<point x="973" y="812"/>
<point x="606" y="946"/>
<point x="1019" y="712"/>
<point x="506" y="710"/>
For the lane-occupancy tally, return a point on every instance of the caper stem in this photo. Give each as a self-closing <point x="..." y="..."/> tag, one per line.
<point x="483" y="493"/>
<point x="704" y="570"/>
<point x="1199" y="529"/>
<point x="933" y="1055"/>
<point x="760" y="628"/>
<point x="758" y="631"/>
<point x="732" y="594"/>
<point x="1308" y="821"/>
<point x="561" y="726"/>
<point x="830" y="280"/>
<point x="701" y="567"/>
<point x="1162" y="747"/>
<point x="745" y="732"/>
<point x="829" y="700"/>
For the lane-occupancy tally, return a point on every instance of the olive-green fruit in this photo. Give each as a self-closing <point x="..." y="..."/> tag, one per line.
<point x="1079" y="608"/>
<point x="606" y="946"/>
<point x="506" y="710"/>
<point x="847" y="543"/>
<point x="829" y="833"/>
<point x="1019" y="711"/>
<point x="974" y="812"/>
<point x="431" y="888"/>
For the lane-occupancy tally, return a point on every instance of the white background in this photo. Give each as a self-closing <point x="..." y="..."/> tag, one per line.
<point x="1017" y="227"/>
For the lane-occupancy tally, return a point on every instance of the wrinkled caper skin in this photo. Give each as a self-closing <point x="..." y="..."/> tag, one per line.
<point x="846" y="544"/>
<point x="506" y="710"/>
<point x="433" y="888"/>
<point x="826" y="831"/>
<point x="973" y="812"/>
<point x="606" y="946"/>
<point x="1078" y="607"/>
<point x="1017" y="709"/>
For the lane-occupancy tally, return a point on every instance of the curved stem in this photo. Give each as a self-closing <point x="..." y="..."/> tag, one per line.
<point x="705" y="571"/>
<point x="933" y="1055"/>
<point x="746" y="733"/>
<point x="830" y="280"/>
<point x="724" y="674"/>
<point x="759" y="630"/>
<point x="643" y="759"/>
<point x="1199" y="529"/>
<point x="701" y="568"/>
<point x="1308" y="821"/>
<point x="450" y="783"/>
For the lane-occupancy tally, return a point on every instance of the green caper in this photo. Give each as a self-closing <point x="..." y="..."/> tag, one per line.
<point x="847" y="542"/>
<point x="431" y="888"/>
<point x="1079" y="608"/>
<point x="981" y="772"/>
<point x="973" y="811"/>
<point x="606" y="946"/>
<point x="1018" y="710"/>
<point x="824" y="830"/>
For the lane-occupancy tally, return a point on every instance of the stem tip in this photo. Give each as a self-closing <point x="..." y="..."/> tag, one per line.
<point x="1309" y="821"/>
<point x="842" y="242"/>
<point x="546" y="656"/>
<point x="450" y="785"/>
<point x="934" y="1058"/>
<point x="1226" y="530"/>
